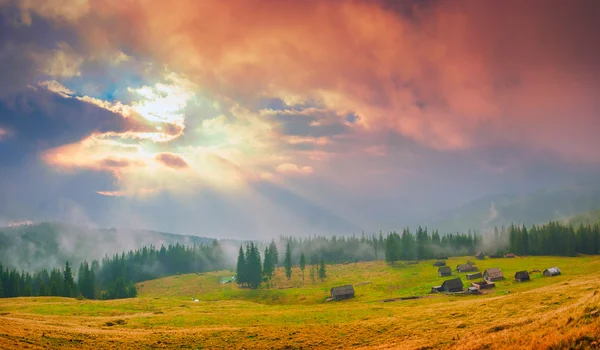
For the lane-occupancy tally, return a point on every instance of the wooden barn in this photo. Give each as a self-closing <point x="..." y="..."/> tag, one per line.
<point x="466" y="268"/>
<point x="493" y="274"/>
<point x="342" y="292"/>
<point x="445" y="271"/>
<point x="552" y="271"/>
<point x="453" y="285"/>
<point x="522" y="276"/>
<point x="509" y="255"/>
<point x="439" y="263"/>
<point x="480" y="256"/>
<point x="474" y="276"/>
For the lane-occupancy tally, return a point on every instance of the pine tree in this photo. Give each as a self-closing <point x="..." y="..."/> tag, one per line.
<point x="1" y="285"/>
<point x="302" y="265"/>
<point x="288" y="261"/>
<point x="253" y="267"/>
<point x="241" y="268"/>
<point x="274" y="254"/>
<point x="69" y="285"/>
<point x="322" y="272"/>
<point x="267" y="265"/>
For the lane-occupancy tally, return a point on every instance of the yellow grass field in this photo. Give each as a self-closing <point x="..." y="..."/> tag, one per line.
<point x="547" y="313"/>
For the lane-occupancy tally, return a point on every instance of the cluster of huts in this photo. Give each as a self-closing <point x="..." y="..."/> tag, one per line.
<point x="455" y="285"/>
<point x="485" y="280"/>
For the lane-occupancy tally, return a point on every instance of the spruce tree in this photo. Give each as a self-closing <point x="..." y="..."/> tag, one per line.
<point x="241" y="268"/>
<point x="288" y="261"/>
<point x="274" y="254"/>
<point x="69" y="285"/>
<point x="253" y="267"/>
<point x="1" y="286"/>
<point x="302" y="265"/>
<point x="268" y="265"/>
<point x="322" y="272"/>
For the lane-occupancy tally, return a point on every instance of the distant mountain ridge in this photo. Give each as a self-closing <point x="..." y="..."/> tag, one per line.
<point x="532" y="208"/>
<point x="47" y="245"/>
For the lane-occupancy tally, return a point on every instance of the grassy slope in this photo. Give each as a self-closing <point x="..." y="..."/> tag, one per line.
<point x="227" y="317"/>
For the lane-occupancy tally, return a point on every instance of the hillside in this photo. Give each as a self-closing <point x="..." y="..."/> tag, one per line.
<point x="47" y="245"/>
<point x="587" y="218"/>
<point x="559" y="312"/>
<point x="533" y="208"/>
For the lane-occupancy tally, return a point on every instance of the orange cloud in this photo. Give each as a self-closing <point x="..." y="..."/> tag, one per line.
<point x="451" y="75"/>
<point x="172" y="160"/>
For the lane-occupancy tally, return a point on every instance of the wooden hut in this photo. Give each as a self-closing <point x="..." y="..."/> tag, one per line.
<point x="439" y="263"/>
<point x="342" y="292"/>
<point x="522" y="276"/>
<point x="466" y="268"/>
<point x="445" y="271"/>
<point x="493" y="274"/>
<point x="552" y="271"/>
<point x="509" y="255"/>
<point x="453" y="285"/>
<point x="474" y="276"/>
<point x="483" y="284"/>
<point x="480" y="256"/>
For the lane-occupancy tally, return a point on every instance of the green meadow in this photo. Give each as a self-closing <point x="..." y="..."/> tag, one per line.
<point x="295" y="314"/>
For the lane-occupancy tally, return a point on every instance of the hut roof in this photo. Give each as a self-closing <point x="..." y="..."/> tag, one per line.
<point x="445" y="270"/>
<point x="439" y="263"/>
<point x="522" y="274"/>
<point x="466" y="268"/>
<point x="510" y="255"/>
<point x="494" y="273"/>
<point x="453" y="284"/>
<point x="342" y="290"/>
<point x="552" y="271"/>
<point x="479" y="255"/>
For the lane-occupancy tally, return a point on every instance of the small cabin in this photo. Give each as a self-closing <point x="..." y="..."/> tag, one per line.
<point x="342" y="292"/>
<point x="480" y="256"/>
<point x="551" y="272"/>
<point x="483" y="285"/>
<point x="445" y="271"/>
<point x="509" y="255"/>
<point x="466" y="268"/>
<point x="453" y="285"/>
<point x="493" y="274"/>
<point x="522" y="276"/>
<point x="474" y="276"/>
<point x="439" y="263"/>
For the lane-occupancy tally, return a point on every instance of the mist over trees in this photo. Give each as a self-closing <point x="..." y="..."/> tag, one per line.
<point x="115" y="276"/>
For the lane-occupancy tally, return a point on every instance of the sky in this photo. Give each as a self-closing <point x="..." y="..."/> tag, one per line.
<point x="251" y="118"/>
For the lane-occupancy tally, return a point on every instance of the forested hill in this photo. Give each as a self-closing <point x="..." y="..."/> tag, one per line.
<point x="558" y="204"/>
<point x="48" y="245"/>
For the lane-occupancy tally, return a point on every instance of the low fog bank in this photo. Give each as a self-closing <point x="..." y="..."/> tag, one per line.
<point x="31" y="247"/>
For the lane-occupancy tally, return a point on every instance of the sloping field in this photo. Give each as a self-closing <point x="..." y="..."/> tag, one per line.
<point x="559" y="312"/>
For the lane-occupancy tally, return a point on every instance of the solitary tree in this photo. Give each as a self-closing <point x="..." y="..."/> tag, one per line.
<point x="302" y="265"/>
<point x="288" y="262"/>
<point x="322" y="272"/>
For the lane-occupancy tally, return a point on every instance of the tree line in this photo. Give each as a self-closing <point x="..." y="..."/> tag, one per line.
<point x="553" y="238"/>
<point x="113" y="277"/>
<point x="251" y="272"/>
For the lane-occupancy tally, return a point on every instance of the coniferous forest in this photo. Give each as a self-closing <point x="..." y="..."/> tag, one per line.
<point x="115" y="277"/>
